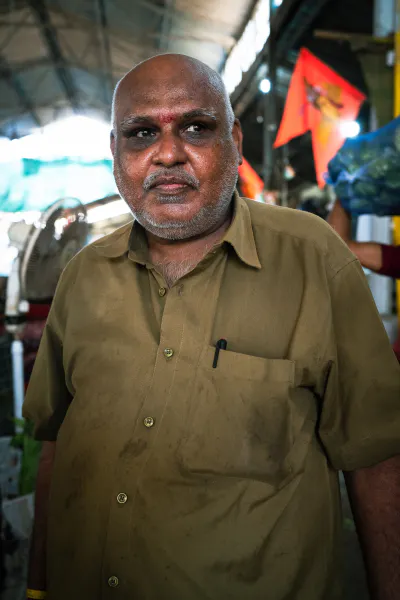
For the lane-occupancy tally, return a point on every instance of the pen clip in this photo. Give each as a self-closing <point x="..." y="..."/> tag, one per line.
<point x="220" y="345"/>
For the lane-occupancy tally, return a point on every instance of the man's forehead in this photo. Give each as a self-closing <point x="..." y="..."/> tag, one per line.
<point x="179" y="77"/>
<point x="165" y="110"/>
<point x="166" y="99"/>
<point x="167" y="114"/>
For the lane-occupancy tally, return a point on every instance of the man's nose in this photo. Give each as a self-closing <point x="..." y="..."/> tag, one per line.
<point x="170" y="150"/>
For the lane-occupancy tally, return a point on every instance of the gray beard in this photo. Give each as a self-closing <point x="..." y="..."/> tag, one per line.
<point x="207" y="219"/>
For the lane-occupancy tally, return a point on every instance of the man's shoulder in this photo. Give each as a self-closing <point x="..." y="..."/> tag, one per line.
<point x="114" y="244"/>
<point x="288" y="221"/>
<point x="304" y="229"/>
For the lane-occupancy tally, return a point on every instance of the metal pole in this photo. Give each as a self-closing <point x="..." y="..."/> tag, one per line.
<point x="396" y="220"/>
<point x="284" y="181"/>
<point x="270" y="116"/>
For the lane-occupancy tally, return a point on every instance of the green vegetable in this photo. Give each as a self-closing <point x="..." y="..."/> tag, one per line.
<point x="31" y="449"/>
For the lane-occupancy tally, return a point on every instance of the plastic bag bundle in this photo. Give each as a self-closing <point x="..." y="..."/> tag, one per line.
<point x="365" y="173"/>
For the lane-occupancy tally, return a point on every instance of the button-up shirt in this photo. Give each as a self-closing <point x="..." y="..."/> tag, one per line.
<point x="178" y="480"/>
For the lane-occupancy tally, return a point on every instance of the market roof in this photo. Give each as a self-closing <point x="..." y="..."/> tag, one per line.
<point x="58" y="57"/>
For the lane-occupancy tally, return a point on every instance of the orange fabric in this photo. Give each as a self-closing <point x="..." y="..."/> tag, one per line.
<point x="318" y="100"/>
<point x="251" y="184"/>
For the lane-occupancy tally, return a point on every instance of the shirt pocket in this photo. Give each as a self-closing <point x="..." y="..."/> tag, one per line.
<point x="247" y="419"/>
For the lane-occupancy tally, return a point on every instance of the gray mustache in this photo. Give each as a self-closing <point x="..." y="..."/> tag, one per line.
<point x="151" y="180"/>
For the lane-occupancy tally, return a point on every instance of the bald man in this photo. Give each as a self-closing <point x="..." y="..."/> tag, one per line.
<point x="204" y="376"/>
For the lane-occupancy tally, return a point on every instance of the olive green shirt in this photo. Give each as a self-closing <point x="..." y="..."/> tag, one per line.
<point x="174" y="480"/>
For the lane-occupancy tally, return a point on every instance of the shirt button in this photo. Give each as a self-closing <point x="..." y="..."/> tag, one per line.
<point x="168" y="353"/>
<point x="122" y="498"/>
<point x="148" y="422"/>
<point x="113" y="581"/>
<point x="162" y="292"/>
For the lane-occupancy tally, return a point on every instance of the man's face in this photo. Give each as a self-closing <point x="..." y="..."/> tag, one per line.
<point x="175" y="154"/>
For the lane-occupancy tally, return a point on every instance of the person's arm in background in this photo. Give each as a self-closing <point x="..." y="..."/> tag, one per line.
<point x="340" y="221"/>
<point x="37" y="562"/>
<point x="380" y="258"/>
<point x="368" y="253"/>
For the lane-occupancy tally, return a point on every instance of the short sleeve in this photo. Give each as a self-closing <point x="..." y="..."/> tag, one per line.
<point x="360" y="417"/>
<point x="47" y="399"/>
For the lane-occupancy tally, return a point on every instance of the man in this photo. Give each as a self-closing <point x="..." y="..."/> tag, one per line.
<point x="383" y="259"/>
<point x="204" y="374"/>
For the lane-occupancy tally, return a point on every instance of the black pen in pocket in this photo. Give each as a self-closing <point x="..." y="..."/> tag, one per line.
<point x="221" y="345"/>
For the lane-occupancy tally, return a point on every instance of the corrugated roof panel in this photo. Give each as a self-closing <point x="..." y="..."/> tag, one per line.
<point x="80" y="47"/>
<point x="134" y="19"/>
<point x="91" y="88"/>
<point x="224" y="15"/>
<point x="125" y="55"/>
<point x="136" y="30"/>
<point x="8" y="99"/>
<point x="206" y="29"/>
<point x="25" y="44"/>
<point x="41" y="84"/>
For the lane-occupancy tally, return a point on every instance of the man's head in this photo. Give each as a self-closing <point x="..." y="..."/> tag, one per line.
<point x="176" y="146"/>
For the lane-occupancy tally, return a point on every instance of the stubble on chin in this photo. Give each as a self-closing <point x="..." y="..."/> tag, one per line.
<point x="208" y="218"/>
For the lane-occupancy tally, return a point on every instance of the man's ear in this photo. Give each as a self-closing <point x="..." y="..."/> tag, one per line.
<point x="238" y="138"/>
<point x="112" y="142"/>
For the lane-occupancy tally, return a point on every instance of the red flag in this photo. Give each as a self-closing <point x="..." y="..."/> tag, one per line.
<point x="318" y="100"/>
<point x="250" y="183"/>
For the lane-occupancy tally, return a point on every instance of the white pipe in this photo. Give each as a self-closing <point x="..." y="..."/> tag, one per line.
<point x="17" y="355"/>
<point x="13" y="295"/>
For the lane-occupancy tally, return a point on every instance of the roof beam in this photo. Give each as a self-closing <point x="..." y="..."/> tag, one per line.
<point x="49" y="34"/>
<point x="7" y="73"/>
<point x="106" y="52"/>
<point x="166" y="25"/>
<point x="298" y="25"/>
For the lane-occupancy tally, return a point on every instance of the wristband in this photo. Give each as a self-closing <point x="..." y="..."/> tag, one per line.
<point x="36" y="594"/>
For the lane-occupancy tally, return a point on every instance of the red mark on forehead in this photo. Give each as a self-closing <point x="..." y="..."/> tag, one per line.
<point x="166" y="117"/>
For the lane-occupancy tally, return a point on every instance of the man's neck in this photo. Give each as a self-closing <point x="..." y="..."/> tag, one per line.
<point x="176" y="258"/>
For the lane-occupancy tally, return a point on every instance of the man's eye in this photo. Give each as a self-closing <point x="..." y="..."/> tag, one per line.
<point x="142" y="133"/>
<point x="195" y="128"/>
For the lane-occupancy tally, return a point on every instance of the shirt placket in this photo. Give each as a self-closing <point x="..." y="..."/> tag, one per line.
<point x="144" y="433"/>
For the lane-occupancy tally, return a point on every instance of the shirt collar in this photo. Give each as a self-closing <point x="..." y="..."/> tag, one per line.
<point x="131" y="239"/>
<point x="240" y="233"/>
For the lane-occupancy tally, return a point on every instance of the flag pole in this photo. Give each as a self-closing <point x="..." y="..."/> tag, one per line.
<point x="270" y="126"/>
<point x="396" y="220"/>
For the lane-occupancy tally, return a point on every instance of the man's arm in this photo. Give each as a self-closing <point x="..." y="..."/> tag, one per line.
<point x="370" y="254"/>
<point x="37" y="562"/>
<point x="340" y="221"/>
<point x="375" y="499"/>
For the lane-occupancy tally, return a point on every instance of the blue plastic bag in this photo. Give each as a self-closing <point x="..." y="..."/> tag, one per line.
<point x="365" y="173"/>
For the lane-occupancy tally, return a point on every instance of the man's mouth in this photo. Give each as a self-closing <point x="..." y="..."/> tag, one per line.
<point x="167" y="182"/>
<point x="170" y="184"/>
<point x="171" y="187"/>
